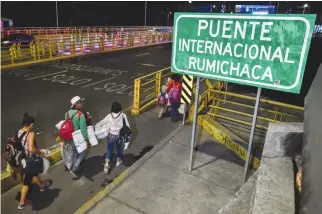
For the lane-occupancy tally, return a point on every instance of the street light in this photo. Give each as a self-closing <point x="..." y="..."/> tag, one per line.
<point x="304" y="7"/>
<point x="190" y="2"/>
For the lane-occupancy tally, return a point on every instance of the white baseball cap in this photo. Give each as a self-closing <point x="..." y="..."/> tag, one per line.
<point x="75" y="100"/>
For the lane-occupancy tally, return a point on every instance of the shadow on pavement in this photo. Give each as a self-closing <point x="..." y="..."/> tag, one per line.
<point x="93" y="166"/>
<point x="40" y="200"/>
<point x="212" y="148"/>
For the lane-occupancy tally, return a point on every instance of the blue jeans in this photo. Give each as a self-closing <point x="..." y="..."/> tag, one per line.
<point x="111" y="141"/>
<point x="174" y="109"/>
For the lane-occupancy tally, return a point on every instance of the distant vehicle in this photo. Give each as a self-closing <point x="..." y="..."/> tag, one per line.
<point x="23" y="39"/>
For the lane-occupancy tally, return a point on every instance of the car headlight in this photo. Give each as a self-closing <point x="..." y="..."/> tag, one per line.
<point x="5" y="42"/>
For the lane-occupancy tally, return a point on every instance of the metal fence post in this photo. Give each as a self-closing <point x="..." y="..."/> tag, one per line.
<point x="136" y="99"/>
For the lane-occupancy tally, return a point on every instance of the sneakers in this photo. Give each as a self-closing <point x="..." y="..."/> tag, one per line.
<point x="119" y="162"/>
<point x="106" y="167"/>
<point x="46" y="185"/>
<point x="24" y="205"/>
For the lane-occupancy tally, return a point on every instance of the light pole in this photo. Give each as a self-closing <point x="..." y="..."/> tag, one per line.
<point x="57" y="13"/>
<point x="145" y="12"/>
<point x="304" y="7"/>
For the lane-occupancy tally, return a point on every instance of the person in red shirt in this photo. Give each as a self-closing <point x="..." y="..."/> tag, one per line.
<point x="174" y="92"/>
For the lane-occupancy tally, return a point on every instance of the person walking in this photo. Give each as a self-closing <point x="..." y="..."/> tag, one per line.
<point x="174" y="92"/>
<point x="114" y="121"/>
<point x="30" y="163"/>
<point x="72" y="158"/>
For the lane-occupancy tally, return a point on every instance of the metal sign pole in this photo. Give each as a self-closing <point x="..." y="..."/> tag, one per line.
<point x="252" y="131"/>
<point x="195" y="119"/>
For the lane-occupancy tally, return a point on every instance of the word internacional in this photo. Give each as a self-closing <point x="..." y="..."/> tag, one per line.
<point x="262" y="51"/>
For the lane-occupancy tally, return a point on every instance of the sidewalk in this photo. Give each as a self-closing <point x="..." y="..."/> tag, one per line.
<point x="66" y="195"/>
<point x="163" y="184"/>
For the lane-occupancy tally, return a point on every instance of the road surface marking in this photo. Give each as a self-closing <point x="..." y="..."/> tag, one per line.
<point x="98" y="82"/>
<point x="46" y="75"/>
<point x="143" y="54"/>
<point x="148" y="65"/>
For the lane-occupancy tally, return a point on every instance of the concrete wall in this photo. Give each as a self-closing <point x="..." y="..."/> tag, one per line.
<point x="312" y="151"/>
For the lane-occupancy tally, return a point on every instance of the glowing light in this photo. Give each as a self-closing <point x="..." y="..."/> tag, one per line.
<point x="260" y="13"/>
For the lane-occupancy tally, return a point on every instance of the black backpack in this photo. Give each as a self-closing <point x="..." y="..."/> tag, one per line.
<point x="125" y="134"/>
<point x="14" y="149"/>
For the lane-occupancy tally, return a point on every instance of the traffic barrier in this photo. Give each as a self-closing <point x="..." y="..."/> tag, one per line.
<point x="62" y="47"/>
<point x="77" y="29"/>
<point x="147" y="89"/>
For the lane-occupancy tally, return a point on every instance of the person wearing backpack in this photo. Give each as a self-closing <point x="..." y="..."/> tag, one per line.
<point x="30" y="162"/>
<point x="174" y="92"/>
<point x="119" y="132"/>
<point x="163" y="101"/>
<point x="75" y="120"/>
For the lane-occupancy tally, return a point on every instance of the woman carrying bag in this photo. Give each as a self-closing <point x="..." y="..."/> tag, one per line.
<point x="119" y="132"/>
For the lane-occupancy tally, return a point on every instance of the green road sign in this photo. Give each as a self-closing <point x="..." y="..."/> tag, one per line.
<point x="267" y="51"/>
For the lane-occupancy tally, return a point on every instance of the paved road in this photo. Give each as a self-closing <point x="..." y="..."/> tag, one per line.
<point x="44" y="91"/>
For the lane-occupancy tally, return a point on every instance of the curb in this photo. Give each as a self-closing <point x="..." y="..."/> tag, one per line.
<point x="129" y="171"/>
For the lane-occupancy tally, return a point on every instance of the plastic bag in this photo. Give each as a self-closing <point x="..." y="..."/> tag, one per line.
<point x="101" y="131"/>
<point x="79" y="141"/>
<point x="91" y="136"/>
<point x="58" y="125"/>
<point x="46" y="165"/>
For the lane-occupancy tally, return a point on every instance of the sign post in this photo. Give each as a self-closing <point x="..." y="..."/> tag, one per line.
<point x="194" y="124"/>
<point x="252" y="132"/>
<point x="264" y="51"/>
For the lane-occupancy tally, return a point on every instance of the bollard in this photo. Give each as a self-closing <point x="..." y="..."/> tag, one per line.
<point x="11" y="54"/>
<point x="102" y="43"/>
<point x="19" y="51"/>
<point x="131" y="41"/>
<point x="38" y="50"/>
<point x="153" y="38"/>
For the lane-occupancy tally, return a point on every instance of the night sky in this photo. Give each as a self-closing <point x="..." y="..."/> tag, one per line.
<point x="91" y="13"/>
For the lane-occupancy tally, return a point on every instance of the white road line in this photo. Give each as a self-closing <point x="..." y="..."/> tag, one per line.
<point x="98" y="82"/>
<point x="148" y="65"/>
<point x="46" y="75"/>
<point x="143" y="54"/>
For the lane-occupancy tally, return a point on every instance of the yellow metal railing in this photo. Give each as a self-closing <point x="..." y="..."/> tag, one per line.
<point x="73" y="30"/>
<point x="147" y="90"/>
<point x="49" y="48"/>
<point x="239" y="108"/>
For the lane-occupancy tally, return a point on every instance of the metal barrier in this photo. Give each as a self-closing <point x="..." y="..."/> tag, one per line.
<point x="78" y="29"/>
<point x="239" y="108"/>
<point x="147" y="89"/>
<point x="59" y="47"/>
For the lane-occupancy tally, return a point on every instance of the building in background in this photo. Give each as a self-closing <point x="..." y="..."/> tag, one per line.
<point x="5" y="22"/>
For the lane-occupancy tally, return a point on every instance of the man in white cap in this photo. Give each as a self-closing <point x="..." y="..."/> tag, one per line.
<point x="72" y="158"/>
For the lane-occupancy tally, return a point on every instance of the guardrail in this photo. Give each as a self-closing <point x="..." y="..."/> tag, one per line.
<point x="147" y="89"/>
<point x="53" y="48"/>
<point x="78" y="30"/>
<point x="239" y="108"/>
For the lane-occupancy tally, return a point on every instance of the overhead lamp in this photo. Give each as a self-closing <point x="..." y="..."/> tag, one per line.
<point x="305" y="5"/>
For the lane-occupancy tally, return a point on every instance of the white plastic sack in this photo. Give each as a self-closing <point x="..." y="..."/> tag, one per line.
<point x="91" y="136"/>
<point x="46" y="165"/>
<point x="58" y="125"/>
<point x="79" y="141"/>
<point x="182" y="108"/>
<point x="126" y="145"/>
<point x="101" y="131"/>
